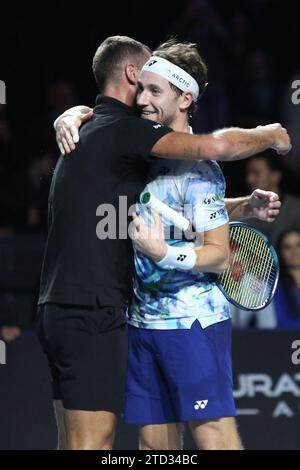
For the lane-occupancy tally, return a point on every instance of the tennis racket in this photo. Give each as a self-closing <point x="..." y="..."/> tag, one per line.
<point x="250" y="280"/>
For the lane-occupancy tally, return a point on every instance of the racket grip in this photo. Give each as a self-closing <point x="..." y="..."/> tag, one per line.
<point x="178" y="220"/>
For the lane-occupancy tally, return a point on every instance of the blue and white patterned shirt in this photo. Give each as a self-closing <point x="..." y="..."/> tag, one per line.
<point x="173" y="299"/>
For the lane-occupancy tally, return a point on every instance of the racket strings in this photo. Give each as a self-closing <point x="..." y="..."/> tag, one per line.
<point x="250" y="278"/>
<point x="257" y="270"/>
<point x="266" y="275"/>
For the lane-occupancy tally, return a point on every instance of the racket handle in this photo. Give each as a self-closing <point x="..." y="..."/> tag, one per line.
<point x="178" y="220"/>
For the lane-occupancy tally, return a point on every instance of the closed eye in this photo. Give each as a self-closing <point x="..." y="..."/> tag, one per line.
<point x="155" y="90"/>
<point x="140" y="87"/>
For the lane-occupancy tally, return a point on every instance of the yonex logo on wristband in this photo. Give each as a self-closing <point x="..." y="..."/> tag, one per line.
<point x="178" y="257"/>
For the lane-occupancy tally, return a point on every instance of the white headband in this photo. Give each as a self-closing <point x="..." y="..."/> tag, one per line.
<point x="174" y="74"/>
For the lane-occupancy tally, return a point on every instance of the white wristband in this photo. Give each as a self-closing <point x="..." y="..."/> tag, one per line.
<point x="178" y="258"/>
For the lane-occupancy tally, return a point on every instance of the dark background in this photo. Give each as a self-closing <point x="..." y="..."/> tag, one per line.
<point x="252" y="51"/>
<point x="43" y="43"/>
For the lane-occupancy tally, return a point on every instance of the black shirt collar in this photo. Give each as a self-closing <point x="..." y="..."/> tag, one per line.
<point x="113" y="105"/>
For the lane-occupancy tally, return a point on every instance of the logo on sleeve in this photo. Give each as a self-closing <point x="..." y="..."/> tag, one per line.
<point x="210" y="199"/>
<point x="156" y="126"/>
<point x="217" y="213"/>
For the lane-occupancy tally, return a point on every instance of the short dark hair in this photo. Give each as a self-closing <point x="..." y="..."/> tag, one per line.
<point x="186" y="56"/>
<point x="111" y="54"/>
<point x="272" y="162"/>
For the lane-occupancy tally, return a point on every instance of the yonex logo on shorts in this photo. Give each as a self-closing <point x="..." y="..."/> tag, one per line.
<point x="181" y="257"/>
<point x="201" y="404"/>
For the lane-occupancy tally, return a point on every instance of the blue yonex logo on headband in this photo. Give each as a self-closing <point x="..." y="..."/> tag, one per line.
<point x="152" y="62"/>
<point x="2" y="92"/>
<point x="2" y="352"/>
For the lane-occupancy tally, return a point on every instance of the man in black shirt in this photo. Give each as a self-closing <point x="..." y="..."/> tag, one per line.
<point x="86" y="281"/>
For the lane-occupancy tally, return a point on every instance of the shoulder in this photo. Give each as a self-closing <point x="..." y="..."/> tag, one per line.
<point x="135" y="122"/>
<point x="206" y="171"/>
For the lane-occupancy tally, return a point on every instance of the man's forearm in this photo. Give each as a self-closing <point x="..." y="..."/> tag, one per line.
<point x="208" y="258"/>
<point x="211" y="259"/>
<point x="238" y="208"/>
<point x="226" y="144"/>
<point x="243" y="143"/>
<point x="76" y="111"/>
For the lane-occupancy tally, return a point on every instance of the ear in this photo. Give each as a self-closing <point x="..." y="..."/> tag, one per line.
<point x="186" y="101"/>
<point x="131" y="73"/>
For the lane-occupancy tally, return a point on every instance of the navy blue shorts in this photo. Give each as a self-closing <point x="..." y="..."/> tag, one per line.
<point x="179" y="375"/>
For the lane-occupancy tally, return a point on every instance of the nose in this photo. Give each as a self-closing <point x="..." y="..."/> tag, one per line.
<point x="142" y="98"/>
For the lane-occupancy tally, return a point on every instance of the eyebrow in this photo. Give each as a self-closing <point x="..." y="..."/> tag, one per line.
<point x="149" y="85"/>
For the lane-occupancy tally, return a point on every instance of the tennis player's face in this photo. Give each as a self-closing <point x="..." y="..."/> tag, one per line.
<point x="290" y="250"/>
<point x="156" y="100"/>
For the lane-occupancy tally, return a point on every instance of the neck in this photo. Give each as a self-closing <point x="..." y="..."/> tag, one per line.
<point x="181" y="123"/>
<point x="123" y="94"/>
<point x="295" y="273"/>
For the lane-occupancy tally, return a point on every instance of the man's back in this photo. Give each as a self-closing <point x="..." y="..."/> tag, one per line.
<point x="111" y="160"/>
